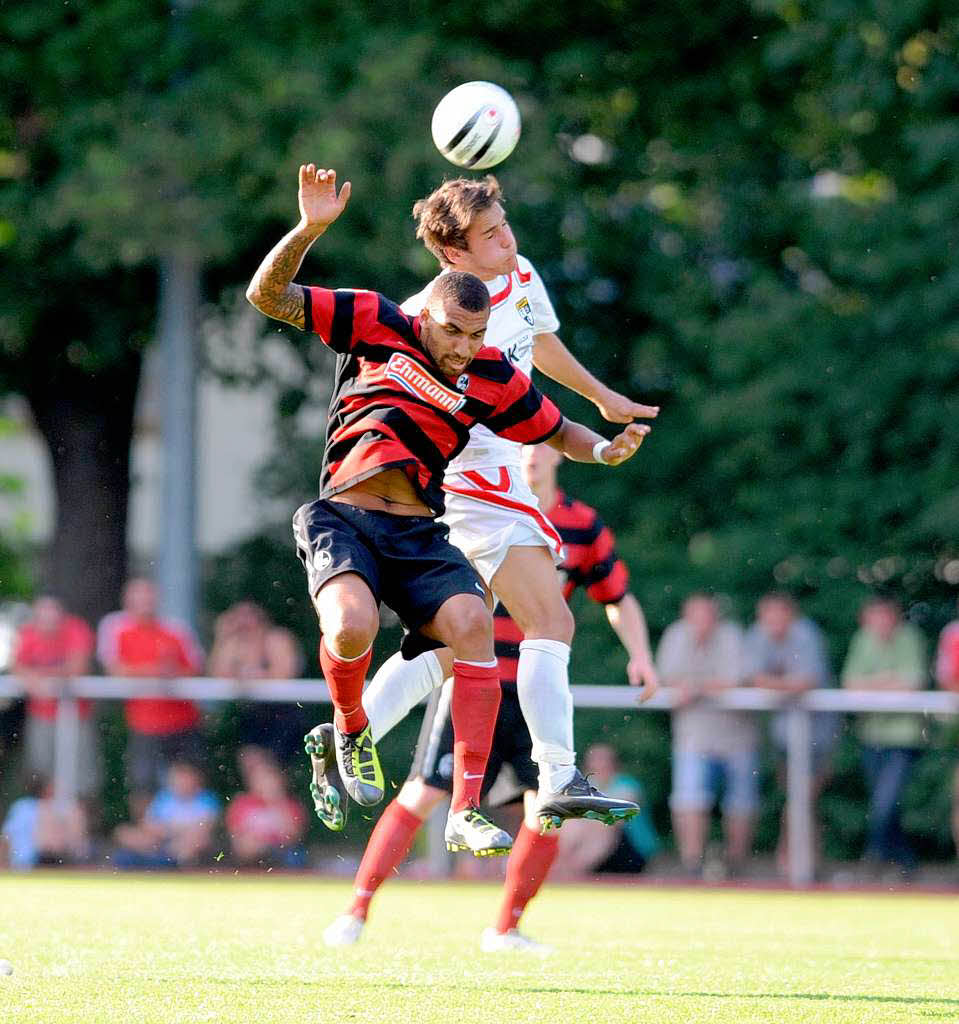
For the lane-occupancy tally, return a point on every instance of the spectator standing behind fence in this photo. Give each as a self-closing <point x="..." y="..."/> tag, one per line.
<point x="177" y="827"/>
<point x="887" y="654"/>
<point x="947" y="676"/>
<point x="701" y="656"/>
<point x="247" y="646"/>
<point x="785" y="651"/>
<point x="587" y="847"/>
<point x="52" y="646"/>
<point x="264" y="823"/>
<point x="136" y="642"/>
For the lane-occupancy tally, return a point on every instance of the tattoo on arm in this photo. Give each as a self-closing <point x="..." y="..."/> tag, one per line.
<point x="272" y="290"/>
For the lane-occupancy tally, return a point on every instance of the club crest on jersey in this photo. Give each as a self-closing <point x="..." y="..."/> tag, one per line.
<point x="463" y="381"/>
<point x="525" y="310"/>
<point x="423" y="385"/>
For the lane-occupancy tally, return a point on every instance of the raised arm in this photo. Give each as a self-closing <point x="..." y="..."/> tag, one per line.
<point x="580" y="444"/>
<point x="272" y="290"/>
<point x="552" y="357"/>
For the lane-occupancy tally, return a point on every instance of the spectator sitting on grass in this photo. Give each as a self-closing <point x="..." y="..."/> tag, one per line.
<point x="587" y="847"/>
<point x="177" y="827"/>
<point x="40" y="829"/>
<point x="264" y="823"/>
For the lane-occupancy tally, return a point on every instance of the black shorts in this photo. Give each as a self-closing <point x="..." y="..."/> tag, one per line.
<point x="433" y="760"/>
<point x="407" y="561"/>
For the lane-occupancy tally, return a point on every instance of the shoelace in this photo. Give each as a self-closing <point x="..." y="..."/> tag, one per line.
<point x="591" y="790"/>
<point x="356" y="765"/>
<point x="473" y="817"/>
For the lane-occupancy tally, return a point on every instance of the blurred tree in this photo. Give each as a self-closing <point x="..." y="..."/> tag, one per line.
<point x="746" y="210"/>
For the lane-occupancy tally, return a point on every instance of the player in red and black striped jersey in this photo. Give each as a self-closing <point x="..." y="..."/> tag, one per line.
<point x="408" y="388"/>
<point x="390" y="409"/>
<point x="591" y="563"/>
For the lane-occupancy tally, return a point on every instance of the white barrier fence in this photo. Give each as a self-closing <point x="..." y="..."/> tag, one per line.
<point x="799" y="709"/>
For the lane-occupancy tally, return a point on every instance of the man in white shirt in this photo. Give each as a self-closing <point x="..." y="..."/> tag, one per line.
<point x="494" y="517"/>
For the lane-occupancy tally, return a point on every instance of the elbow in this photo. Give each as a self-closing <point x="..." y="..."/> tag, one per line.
<point x="254" y="296"/>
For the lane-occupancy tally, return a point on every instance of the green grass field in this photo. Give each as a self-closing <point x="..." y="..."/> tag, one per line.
<point x="231" y="949"/>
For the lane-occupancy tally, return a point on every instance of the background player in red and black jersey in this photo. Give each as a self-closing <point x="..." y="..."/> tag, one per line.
<point x="407" y="391"/>
<point x="591" y="563"/>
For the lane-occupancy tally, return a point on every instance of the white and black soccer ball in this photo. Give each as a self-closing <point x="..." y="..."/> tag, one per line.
<point x="476" y="125"/>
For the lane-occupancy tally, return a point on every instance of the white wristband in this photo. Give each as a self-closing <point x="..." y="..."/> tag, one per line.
<point x="599" y="449"/>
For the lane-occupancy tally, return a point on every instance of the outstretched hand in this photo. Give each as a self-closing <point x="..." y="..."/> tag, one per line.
<point x="642" y="673"/>
<point x="617" y="408"/>
<point x="319" y="203"/>
<point x="625" y="445"/>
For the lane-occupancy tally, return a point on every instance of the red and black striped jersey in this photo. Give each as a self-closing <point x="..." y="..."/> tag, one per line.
<point x="591" y="562"/>
<point x="393" y="408"/>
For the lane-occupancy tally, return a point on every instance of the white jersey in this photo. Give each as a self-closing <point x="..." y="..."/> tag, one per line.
<point x="519" y="309"/>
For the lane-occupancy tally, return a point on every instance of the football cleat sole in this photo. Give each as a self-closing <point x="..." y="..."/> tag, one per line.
<point x="328" y="804"/>
<point x="496" y="851"/>
<point x="551" y="822"/>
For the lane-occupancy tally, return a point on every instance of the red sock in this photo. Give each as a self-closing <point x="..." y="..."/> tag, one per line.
<point x="529" y="862"/>
<point x="389" y="844"/>
<point x="476" y="697"/>
<point x="345" y="680"/>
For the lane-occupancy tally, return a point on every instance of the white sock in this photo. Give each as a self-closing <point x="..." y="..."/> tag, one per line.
<point x="542" y="685"/>
<point x="397" y="688"/>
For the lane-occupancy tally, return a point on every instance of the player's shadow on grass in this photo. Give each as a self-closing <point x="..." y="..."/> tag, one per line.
<point x="814" y="996"/>
<point x="811" y="996"/>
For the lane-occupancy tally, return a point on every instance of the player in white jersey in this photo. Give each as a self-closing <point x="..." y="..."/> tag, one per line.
<point x="494" y="517"/>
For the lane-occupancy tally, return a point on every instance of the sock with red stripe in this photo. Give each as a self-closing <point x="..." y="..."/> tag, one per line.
<point x="345" y="678"/>
<point x="475" y="705"/>
<point x="529" y="862"/>
<point x="389" y="844"/>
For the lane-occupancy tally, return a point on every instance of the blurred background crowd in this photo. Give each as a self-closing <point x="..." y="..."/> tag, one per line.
<point x="179" y="808"/>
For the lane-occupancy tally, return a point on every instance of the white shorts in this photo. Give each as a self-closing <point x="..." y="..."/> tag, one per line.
<point x="489" y="511"/>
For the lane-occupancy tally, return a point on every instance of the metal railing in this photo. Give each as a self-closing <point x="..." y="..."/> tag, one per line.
<point x="799" y="711"/>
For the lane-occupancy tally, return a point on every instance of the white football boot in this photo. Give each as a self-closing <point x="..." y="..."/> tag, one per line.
<point x="512" y="941"/>
<point x="344" y="931"/>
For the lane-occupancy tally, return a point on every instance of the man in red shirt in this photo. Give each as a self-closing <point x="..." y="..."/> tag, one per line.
<point x="407" y="390"/>
<point x="52" y="646"/>
<point x="947" y="676"/>
<point x="138" y="643"/>
<point x="591" y="564"/>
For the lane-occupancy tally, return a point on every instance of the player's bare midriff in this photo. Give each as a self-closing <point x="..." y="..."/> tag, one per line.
<point x="389" y="491"/>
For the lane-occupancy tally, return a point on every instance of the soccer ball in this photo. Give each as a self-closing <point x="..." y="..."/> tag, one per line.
<point x="476" y="125"/>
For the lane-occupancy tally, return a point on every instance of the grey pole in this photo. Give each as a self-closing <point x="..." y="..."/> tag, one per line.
<point x="799" y="811"/>
<point x="177" y="566"/>
<point x="66" y="746"/>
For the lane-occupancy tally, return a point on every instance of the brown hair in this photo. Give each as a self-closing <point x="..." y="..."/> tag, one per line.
<point x="445" y="215"/>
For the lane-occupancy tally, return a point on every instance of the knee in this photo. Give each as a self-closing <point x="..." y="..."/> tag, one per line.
<point x="419" y="799"/>
<point x="349" y="631"/>
<point x="472" y="625"/>
<point x="552" y="623"/>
